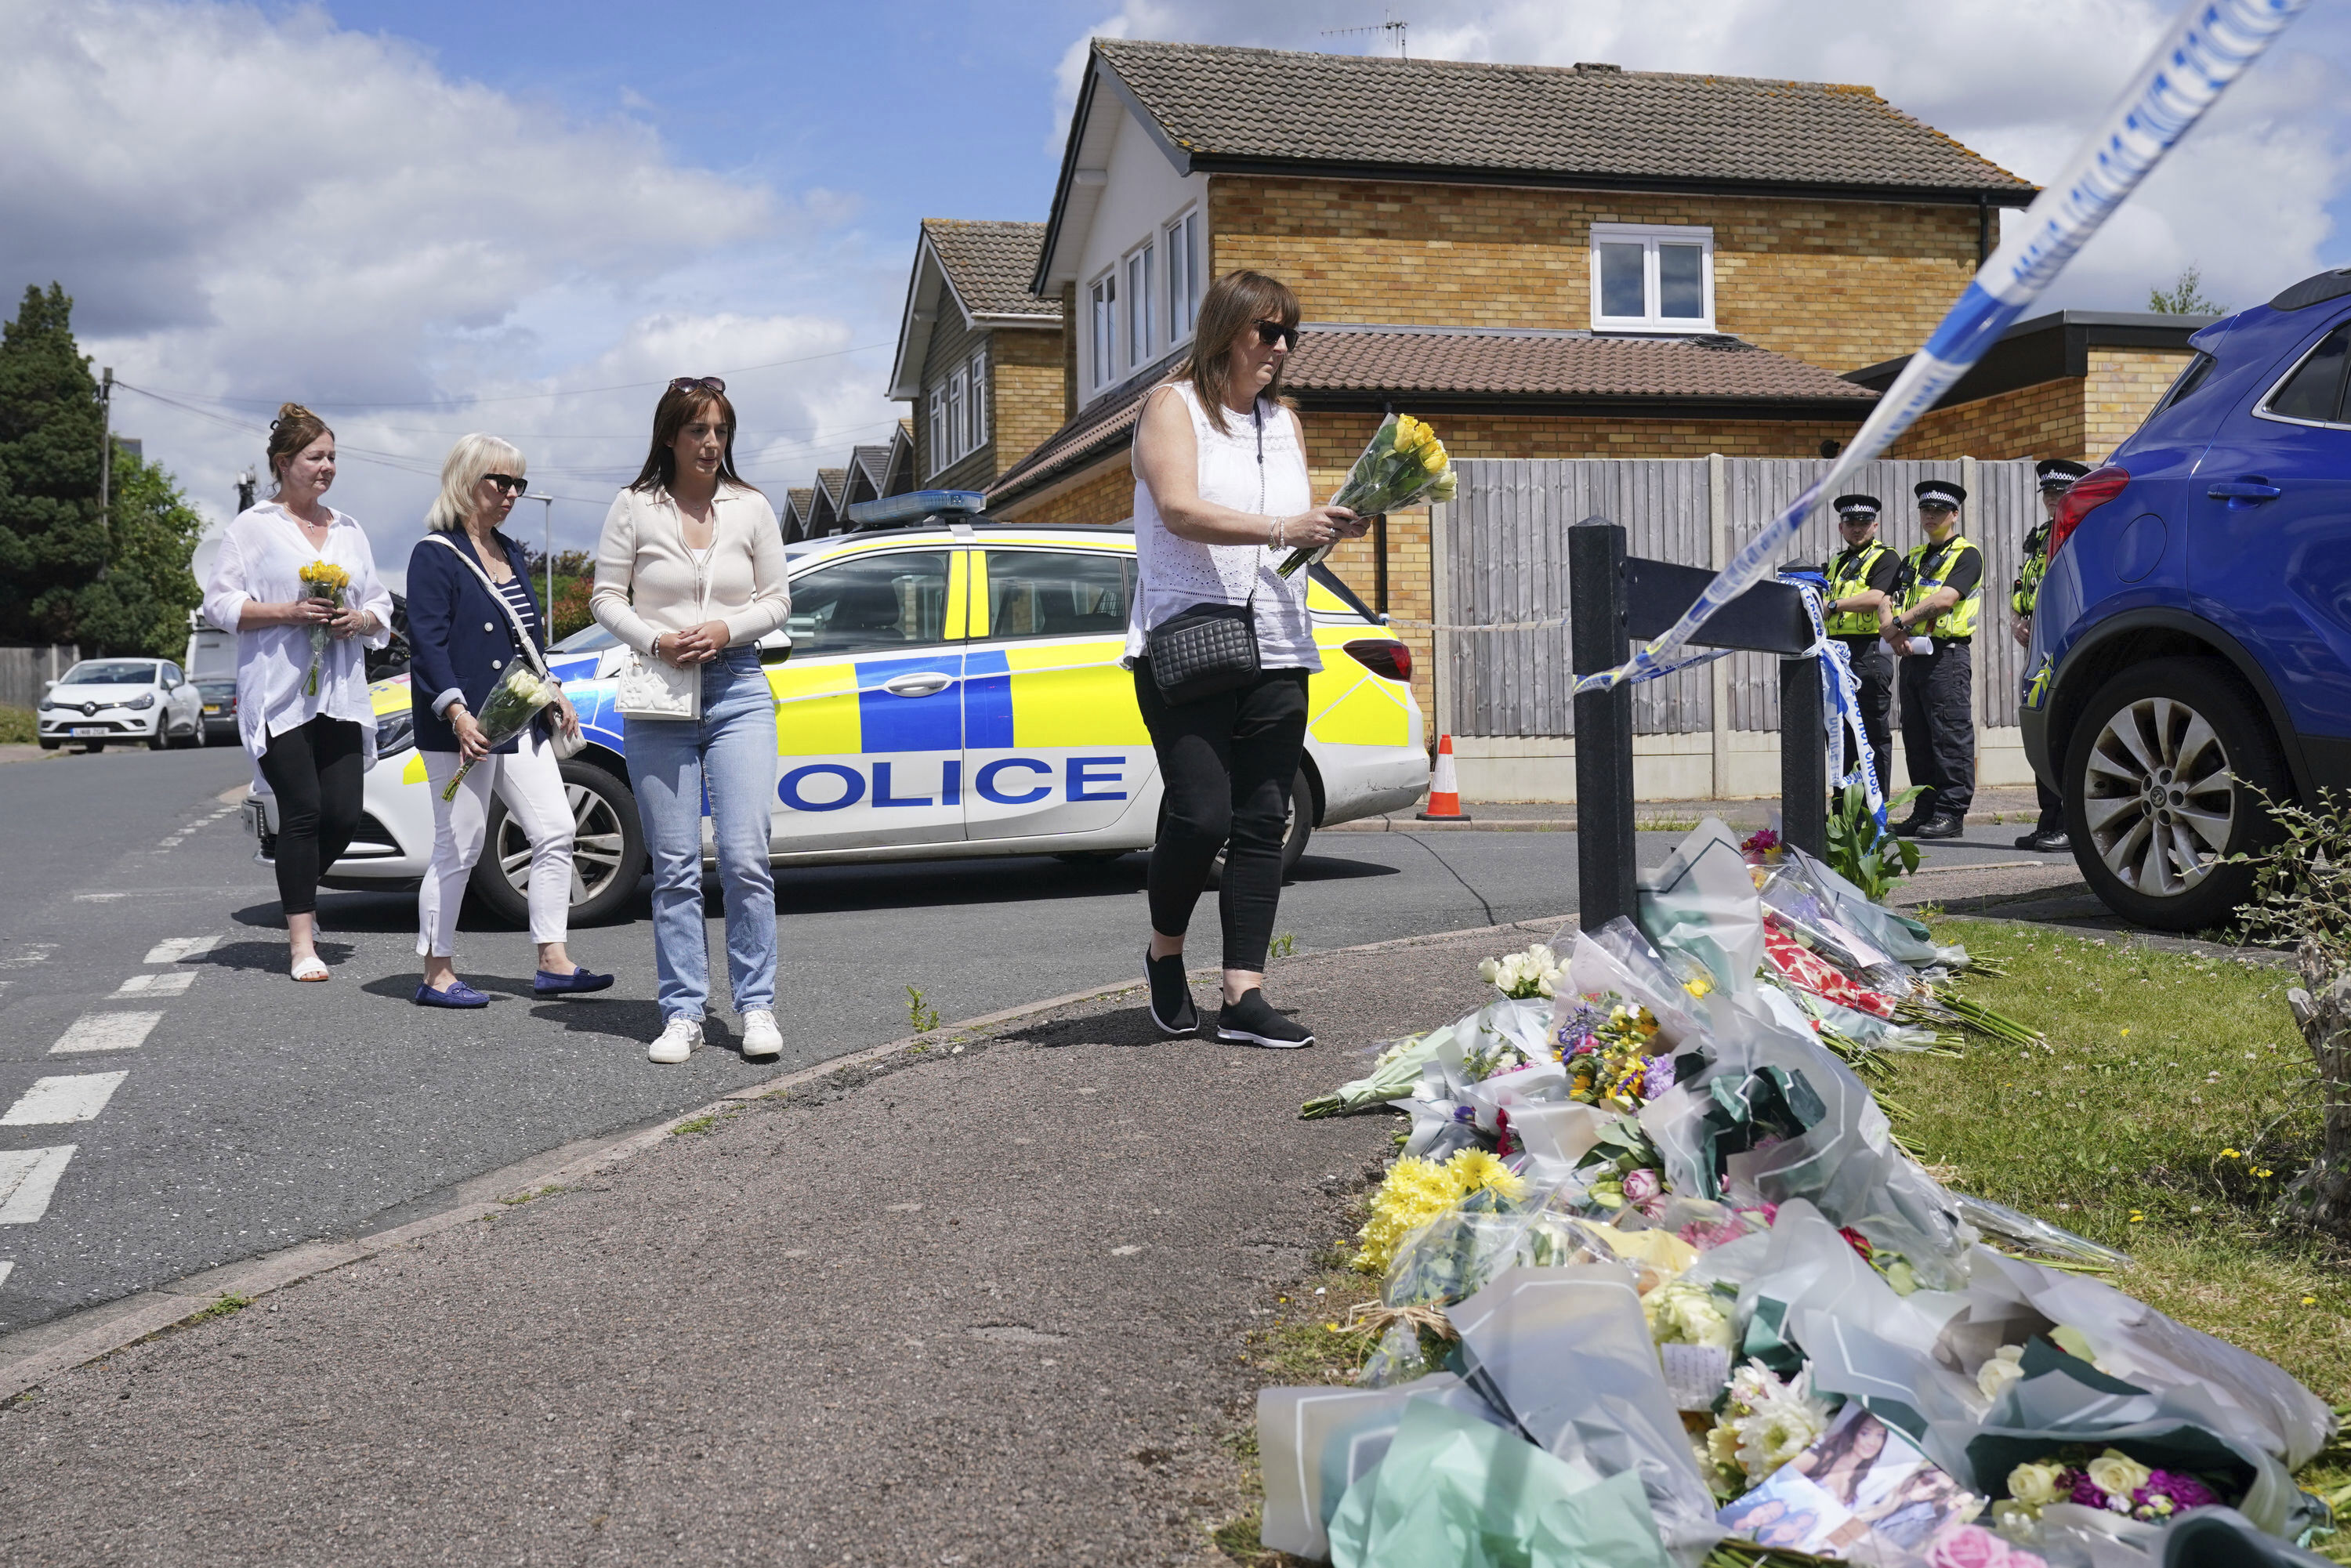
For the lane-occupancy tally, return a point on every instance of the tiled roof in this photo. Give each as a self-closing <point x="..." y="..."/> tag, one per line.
<point x="799" y="499"/>
<point x="1631" y="377"/>
<point x="990" y="265"/>
<point x="832" y="482"/>
<point x="1236" y="107"/>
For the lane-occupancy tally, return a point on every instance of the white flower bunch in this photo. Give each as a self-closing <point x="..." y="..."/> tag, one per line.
<point x="1766" y="1422"/>
<point x="1533" y="973"/>
<point x="2006" y="1367"/>
<point x="1682" y="1313"/>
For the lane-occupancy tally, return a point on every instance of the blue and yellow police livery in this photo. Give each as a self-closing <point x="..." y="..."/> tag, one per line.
<point x="947" y="690"/>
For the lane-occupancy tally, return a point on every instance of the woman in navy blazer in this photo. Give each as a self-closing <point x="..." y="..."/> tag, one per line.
<point x="462" y="640"/>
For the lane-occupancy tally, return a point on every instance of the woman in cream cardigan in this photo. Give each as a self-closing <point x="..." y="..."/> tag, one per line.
<point x="690" y="571"/>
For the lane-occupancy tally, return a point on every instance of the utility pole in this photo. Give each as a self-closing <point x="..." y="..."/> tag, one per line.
<point x="244" y="483"/>
<point x="106" y="454"/>
<point x="546" y="548"/>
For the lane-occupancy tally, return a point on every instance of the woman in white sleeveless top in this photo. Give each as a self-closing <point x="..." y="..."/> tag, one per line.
<point x="1220" y="498"/>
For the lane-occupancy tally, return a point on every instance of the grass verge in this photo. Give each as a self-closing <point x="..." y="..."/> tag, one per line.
<point x="18" y="725"/>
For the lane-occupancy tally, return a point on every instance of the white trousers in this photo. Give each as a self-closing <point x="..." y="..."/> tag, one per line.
<point x="531" y="781"/>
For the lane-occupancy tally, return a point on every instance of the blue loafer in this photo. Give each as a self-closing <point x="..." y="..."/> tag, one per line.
<point x="458" y="995"/>
<point x="573" y="983"/>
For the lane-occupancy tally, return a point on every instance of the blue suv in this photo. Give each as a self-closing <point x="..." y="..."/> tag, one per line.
<point x="2191" y="644"/>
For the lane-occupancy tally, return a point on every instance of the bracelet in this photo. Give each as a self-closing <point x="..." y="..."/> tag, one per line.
<point x="1277" y="532"/>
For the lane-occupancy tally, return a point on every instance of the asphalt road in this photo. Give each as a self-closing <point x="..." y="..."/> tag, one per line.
<point x="252" y="1113"/>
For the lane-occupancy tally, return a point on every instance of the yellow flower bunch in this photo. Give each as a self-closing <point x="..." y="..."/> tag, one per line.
<point x="325" y="575"/>
<point x="1415" y="436"/>
<point x="1417" y="1190"/>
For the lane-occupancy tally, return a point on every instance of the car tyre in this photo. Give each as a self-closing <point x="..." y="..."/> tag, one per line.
<point x="2163" y="783"/>
<point x="1298" y="829"/>
<point x="48" y="745"/>
<point x="92" y="747"/>
<point x="608" y="855"/>
<point x="161" y="737"/>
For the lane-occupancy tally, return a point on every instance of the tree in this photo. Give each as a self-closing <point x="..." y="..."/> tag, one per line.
<point x="65" y="575"/>
<point x="2186" y="296"/>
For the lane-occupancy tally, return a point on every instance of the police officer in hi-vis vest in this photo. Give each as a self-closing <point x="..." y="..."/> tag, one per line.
<point x="1863" y="581"/>
<point x="1933" y="635"/>
<point x="2056" y="475"/>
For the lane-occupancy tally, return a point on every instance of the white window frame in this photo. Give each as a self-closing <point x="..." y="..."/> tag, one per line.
<point x="1142" y="329"/>
<point x="1101" y="327"/>
<point x="1649" y="237"/>
<point x="941" y="446"/>
<point x="1182" y="235"/>
<point x="976" y="410"/>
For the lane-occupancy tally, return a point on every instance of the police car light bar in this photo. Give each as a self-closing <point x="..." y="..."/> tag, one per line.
<point x="915" y="506"/>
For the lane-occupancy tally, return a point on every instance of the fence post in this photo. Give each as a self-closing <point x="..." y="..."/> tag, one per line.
<point x="1603" y="724"/>
<point x="1804" y="757"/>
<point x="1717" y="674"/>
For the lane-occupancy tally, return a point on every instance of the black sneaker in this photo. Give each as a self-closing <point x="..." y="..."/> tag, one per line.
<point x="1945" y="827"/>
<point x="1171" y="995"/>
<point x="1252" y="1021"/>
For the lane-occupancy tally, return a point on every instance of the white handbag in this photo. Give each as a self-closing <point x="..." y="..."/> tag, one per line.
<point x="650" y="688"/>
<point x="564" y="742"/>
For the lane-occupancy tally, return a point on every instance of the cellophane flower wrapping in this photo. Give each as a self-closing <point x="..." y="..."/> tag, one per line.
<point x="1404" y="462"/>
<point x="514" y="702"/>
<point x="321" y="579"/>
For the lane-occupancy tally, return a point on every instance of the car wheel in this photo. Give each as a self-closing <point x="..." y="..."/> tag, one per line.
<point x="49" y="745"/>
<point x="160" y="738"/>
<point x="2161" y="789"/>
<point x="607" y="851"/>
<point x="1298" y="826"/>
<point x="92" y="747"/>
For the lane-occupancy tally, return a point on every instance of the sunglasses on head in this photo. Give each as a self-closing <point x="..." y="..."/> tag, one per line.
<point x="508" y="483"/>
<point x="695" y="383"/>
<point x="1268" y="333"/>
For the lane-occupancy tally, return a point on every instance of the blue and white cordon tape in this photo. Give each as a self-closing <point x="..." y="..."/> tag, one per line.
<point x="2206" y="50"/>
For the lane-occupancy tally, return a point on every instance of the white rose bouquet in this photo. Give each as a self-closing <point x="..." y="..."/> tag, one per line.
<point x="514" y="702"/>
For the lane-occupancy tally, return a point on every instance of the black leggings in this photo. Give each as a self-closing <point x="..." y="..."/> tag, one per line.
<point x="314" y="772"/>
<point x="1226" y="763"/>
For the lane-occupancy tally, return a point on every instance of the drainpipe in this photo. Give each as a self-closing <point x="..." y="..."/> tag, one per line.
<point x="1983" y="228"/>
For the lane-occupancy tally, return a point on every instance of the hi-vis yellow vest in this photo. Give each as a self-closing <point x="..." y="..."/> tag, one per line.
<point x="1959" y="620"/>
<point x="1849" y="575"/>
<point x="2026" y="593"/>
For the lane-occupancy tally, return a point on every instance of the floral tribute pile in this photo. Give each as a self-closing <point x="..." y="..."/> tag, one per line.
<point x="1661" y="1286"/>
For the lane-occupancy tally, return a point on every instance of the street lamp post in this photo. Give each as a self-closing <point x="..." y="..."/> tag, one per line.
<point x="547" y="549"/>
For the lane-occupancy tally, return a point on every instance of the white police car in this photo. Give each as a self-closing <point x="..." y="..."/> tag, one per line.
<point x="949" y="690"/>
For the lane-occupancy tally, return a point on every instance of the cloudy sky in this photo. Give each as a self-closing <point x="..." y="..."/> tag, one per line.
<point x="429" y="216"/>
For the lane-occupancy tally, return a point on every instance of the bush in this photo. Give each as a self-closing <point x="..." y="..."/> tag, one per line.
<point x="2302" y="884"/>
<point x="17" y="726"/>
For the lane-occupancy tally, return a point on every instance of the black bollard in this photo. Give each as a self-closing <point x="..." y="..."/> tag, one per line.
<point x="1804" y="757"/>
<point x="1604" y="725"/>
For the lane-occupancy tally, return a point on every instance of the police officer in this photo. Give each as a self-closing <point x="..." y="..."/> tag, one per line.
<point x="1942" y="591"/>
<point x="2056" y="475"/>
<point x="1863" y="581"/>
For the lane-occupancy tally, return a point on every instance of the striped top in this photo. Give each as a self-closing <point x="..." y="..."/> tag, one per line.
<point x="516" y="593"/>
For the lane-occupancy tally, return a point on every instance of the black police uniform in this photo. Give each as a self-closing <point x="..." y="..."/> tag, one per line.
<point x="1939" y="723"/>
<point x="2056" y="473"/>
<point x="1871" y="565"/>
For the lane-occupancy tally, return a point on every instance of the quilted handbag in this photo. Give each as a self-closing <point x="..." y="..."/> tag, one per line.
<point x="1203" y="652"/>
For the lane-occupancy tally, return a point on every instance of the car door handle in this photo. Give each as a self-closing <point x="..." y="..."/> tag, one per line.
<point x="920" y="684"/>
<point x="2244" y="490"/>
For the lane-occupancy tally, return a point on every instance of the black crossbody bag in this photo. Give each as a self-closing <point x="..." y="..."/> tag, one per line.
<point x="1207" y="650"/>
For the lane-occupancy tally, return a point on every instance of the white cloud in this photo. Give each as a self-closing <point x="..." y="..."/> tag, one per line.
<point x="252" y="209"/>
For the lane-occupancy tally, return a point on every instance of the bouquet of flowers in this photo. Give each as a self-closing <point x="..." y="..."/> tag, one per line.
<point x="321" y="579"/>
<point x="1404" y="462"/>
<point x="2113" y="1481"/>
<point x="514" y="702"/>
<point x="1524" y="976"/>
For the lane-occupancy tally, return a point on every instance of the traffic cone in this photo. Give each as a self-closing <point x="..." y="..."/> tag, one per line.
<point x="1444" y="788"/>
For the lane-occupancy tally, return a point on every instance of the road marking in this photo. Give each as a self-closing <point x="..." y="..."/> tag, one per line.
<point x="7" y="1267"/>
<point x="171" y="982"/>
<point x="29" y="953"/>
<point x="179" y="949"/>
<point x="76" y="1097"/>
<point x="105" y="1031"/>
<point x="29" y="1177"/>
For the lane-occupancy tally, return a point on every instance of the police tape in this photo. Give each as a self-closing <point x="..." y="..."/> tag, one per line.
<point x="2196" y="60"/>
<point x="1842" y="706"/>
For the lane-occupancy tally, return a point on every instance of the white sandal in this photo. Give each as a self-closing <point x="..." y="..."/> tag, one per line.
<point x="310" y="968"/>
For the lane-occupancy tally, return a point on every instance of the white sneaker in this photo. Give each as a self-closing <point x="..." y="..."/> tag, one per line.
<point x="676" y="1042"/>
<point x="760" y="1036"/>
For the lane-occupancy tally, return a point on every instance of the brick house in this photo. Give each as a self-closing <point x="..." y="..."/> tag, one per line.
<point x="1554" y="262"/>
<point x="978" y="355"/>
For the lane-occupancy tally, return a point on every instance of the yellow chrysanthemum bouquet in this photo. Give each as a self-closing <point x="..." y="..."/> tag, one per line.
<point x="1404" y="462"/>
<point x="321" y="579"/>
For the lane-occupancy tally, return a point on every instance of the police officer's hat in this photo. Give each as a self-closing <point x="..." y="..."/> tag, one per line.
<point x="1857" y="508"/>
<point x="1939" y="493"/>
<point x="2058" y="472"/>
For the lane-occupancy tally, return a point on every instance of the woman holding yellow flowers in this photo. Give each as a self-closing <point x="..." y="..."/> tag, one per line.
<point x="287" y="568"/>
<point x="1220" y="498"/>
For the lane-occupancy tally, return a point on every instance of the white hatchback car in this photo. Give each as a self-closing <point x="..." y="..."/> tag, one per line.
<point x="100" y="700"/>
<point x="945" y="691"/>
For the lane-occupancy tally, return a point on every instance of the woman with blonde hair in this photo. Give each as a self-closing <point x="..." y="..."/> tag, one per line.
<point x="462" y="575"/>
<point x="690" y="572"/>
<point x="1220" y="497"/>
<point x="310" y="739"/>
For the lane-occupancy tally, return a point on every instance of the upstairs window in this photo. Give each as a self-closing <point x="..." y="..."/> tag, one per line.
<point x="1101" y="323"/>
<point x="1183" y="275"/>
<point x="1649" y="278"/>
<point x="975" y="411"/>
<point x="959" y="413"/>
<point x="1140" y="338"/>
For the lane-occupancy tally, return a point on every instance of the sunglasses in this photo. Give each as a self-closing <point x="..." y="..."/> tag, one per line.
<point x="1268" y="333"/>
<point x="508" y="483"/>
<point x="694" y="383"/>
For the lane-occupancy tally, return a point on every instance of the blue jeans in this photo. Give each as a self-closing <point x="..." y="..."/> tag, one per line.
<point x="730" y="754"/>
